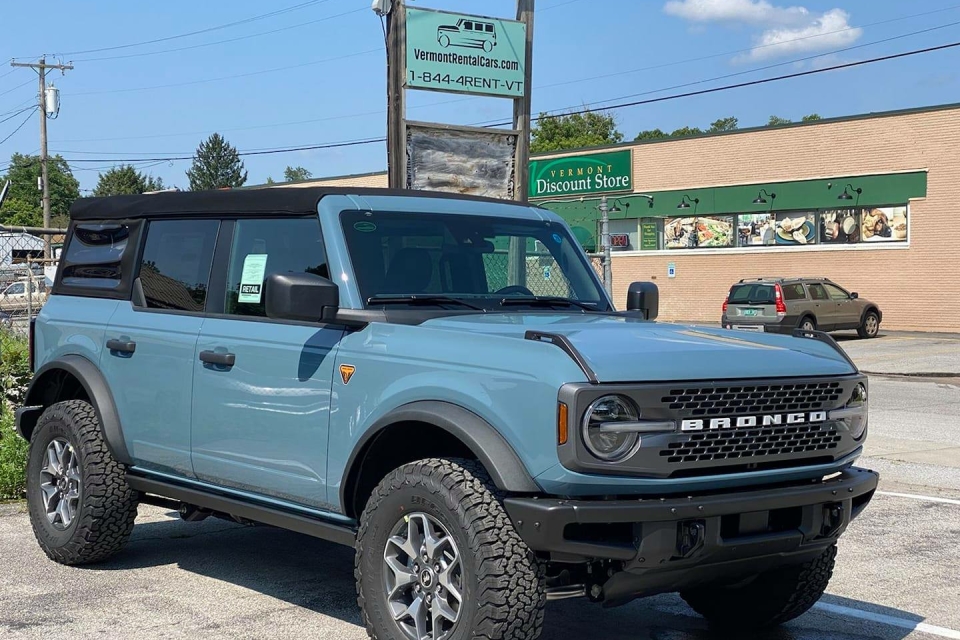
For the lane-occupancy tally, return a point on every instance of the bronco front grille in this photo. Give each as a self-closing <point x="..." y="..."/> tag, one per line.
<point x="738" y="444"/>
<point x="750" y="400"/>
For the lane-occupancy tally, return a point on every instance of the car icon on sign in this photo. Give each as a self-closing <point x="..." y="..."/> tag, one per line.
<point x="468" y="33"/>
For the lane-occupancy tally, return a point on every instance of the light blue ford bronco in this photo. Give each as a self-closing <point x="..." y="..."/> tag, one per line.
<point x="443" y="383"/>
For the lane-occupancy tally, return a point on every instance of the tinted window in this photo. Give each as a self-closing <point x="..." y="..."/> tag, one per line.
<point x="94" y="255"/>
<point x="836" y="293"/>
<point x="752" y="294"/>
<point x="263" y="247"/>
<point x="176" y="262"/>
<point x="489" y="28"/>
<point x="16" y="288"/>
<point x="817" y="292"/>
<point x="793" y="292"/>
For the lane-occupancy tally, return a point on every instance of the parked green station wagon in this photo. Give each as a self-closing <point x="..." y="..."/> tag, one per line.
<point x="443" y="383"/>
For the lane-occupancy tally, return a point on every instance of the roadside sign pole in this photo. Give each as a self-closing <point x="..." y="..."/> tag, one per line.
<point x="521" y="108"/>
<point x="396" y="96"/>
<point x="605" y="244"/>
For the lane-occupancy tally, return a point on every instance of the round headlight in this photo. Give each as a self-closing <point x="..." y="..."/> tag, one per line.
<point x="608" y="444"/>
<point x="858" y="424"/>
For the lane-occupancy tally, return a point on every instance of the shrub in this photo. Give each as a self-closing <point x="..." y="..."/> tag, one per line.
<point x="14" y="378"/>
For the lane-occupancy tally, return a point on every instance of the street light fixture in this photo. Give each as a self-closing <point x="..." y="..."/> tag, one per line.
<point x="761" y="200"/>
<point x="846" y="195"/>
<point x="685" y="202"/>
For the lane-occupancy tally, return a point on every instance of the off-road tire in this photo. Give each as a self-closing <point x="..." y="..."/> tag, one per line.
<point x="773" y="598"/>
<point x="503" y="591"/>
<point x="107" y="507"/>
<point x="862" y="330"/>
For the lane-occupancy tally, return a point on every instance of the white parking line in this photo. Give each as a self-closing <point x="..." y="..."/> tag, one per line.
<point x="914" y="496"/>
<point x="902" y="623"/>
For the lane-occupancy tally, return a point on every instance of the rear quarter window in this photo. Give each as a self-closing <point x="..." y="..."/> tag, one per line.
<point x="94" y="256"/>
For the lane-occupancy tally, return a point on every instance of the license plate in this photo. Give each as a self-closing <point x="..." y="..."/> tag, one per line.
<point x="749" y="327"/>
<point x="750" y="312"/>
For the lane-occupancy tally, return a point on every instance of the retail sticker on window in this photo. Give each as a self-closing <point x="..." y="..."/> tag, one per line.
<point x="251" y="279"/>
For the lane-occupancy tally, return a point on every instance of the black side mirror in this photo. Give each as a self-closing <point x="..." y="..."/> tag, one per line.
<point x="301" y="296"/>
<point x="854" y="295"/>
<point x="645" y="297"/>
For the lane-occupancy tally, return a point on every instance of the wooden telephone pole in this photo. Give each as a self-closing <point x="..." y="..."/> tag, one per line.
<point x="396" y="96"/>
<point x="41" y="68"/>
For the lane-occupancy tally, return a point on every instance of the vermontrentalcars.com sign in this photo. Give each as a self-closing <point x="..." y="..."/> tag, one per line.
<point x="465" y="54"/>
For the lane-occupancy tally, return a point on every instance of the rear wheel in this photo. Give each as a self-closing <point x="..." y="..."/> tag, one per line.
<point x="81" y="508"/>
<point x="773" y="598"/>
<point x="807" y="324"/>
<point x="438" y="558"/>
<point x="871" y="325"/>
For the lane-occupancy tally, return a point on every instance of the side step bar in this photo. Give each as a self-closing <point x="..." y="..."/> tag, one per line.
<point x="258" y="513"/>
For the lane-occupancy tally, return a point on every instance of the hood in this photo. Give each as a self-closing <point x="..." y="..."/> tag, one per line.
<point x="622" y="349"/>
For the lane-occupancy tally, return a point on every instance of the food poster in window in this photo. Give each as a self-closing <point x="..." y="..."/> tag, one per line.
<point x="678" y="233"/>
<point x="840" y="226"/>
<point x="886" y="224"/>
<point x="700" y="231"/>
<point x="756" y="229"/>
<point x="795" y="228"/>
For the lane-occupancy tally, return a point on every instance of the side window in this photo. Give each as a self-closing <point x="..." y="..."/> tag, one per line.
<point x="836" y="293"/>
<point x="264" y="247"/>
<point x="94" y="255"/>
<point x="15" y="289"/>
<point x="794" y="292"/>
<point x="175" y="267"/>
<point x="489" y="28"/>
<point x="817" y="292"/>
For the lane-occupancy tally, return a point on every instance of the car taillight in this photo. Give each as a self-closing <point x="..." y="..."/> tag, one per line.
<point x="726" y="301"/>
<point x="781" y="307"/>
<point x="31" y="341"/>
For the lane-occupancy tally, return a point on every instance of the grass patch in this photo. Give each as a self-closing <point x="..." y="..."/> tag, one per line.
<point x="13" y="460"/>
<point x="14" y="377"/>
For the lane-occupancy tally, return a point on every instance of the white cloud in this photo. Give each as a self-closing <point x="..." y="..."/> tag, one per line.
<point x="758" y="12"/>
<point x="787" y="31"/>
<point x="832" y="30"/>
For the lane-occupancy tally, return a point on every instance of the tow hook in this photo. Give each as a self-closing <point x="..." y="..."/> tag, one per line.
<point x="690" y="537"/>
<point x="832" y="519"/>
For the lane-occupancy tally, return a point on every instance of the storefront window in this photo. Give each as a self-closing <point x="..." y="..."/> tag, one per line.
<point x="840" y="226"/>
<point x="887" y="224"/>
<point x="700" y="231"/>
<point x="796" y="228"/>
<point x="755" y="229"/>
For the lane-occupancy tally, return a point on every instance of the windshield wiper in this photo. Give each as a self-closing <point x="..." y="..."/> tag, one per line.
<point x="421" y="300"/>
<point x="545" y="301"/>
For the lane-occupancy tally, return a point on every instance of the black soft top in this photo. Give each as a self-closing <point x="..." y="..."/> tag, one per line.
<point x="239" y="202"/>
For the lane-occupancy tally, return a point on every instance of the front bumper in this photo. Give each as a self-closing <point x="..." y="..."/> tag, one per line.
<point x="670" y="544"/>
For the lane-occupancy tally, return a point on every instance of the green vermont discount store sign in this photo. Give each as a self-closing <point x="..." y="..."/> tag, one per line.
<point x="610" y="172"/>
<point x="465" y="54"/>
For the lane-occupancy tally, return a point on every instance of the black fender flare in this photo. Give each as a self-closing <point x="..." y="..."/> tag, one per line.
<point x="484" y="441"/>
<point x="97" y="390"/>
<point x="868" y="309"/>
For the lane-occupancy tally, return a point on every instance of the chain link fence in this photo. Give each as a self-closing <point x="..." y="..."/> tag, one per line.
<point x="543" y="275"/>
<point x="25" y="276"/>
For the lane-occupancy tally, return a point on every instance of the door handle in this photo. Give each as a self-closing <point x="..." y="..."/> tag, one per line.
<point x="223" y="359"/>
<point x="121" y="346"/>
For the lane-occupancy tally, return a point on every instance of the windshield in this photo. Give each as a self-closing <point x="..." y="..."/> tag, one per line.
<point x="469" y="262"/>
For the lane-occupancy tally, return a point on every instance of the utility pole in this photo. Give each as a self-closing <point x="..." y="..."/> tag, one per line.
<point x="605" y="244"/>
<point x="396" y="96"/>
<point x="41" y="69"/>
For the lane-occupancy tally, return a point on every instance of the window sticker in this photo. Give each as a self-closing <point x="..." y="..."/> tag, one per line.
<point x="365" y="226"/>
<point x="557" y="238"/>
<point x="251" y="279"/>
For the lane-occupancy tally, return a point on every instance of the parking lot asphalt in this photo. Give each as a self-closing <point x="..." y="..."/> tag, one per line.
<point x="896" y="577"/>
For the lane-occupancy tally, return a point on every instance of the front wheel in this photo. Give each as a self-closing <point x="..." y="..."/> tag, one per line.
<point x="437" y="557"/>
<point x="871" y="325"/>
<point x="772" y="598"/>
<point x="444" y="41"/>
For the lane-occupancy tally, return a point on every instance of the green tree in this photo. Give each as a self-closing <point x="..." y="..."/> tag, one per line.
<point x="651" y="134"/>
<point x="686" y="131"/>
<point x="776" y="121"/>
<point x="23" y="206"/>
<point x="724" y="124"/>
<point x="813" y="117"/>
<point x="574" y="131"/>
<point x="125" y="180"/>
<point x="271" y="180"/>
<point x="296" y="174"/>
<point x="216" y="165"/>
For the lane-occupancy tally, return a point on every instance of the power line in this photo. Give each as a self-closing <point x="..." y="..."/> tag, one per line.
<point x="351" y="143"/>
<point x="25" y="121"/>
<point x="15" y="114"/>
<point x="211" y="44"/>
<point x="16" y="87"/>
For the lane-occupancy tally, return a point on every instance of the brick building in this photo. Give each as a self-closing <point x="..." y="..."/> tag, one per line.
<point x="869" y="201"/>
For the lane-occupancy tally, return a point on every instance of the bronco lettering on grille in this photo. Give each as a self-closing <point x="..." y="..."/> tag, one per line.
<point x="742" y="422"/>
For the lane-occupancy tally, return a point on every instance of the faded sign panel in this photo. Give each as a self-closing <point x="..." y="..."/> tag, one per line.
<point x="477" y="162"/>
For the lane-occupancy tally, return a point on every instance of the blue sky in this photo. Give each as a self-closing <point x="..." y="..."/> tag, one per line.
<point x="320" y="76"/>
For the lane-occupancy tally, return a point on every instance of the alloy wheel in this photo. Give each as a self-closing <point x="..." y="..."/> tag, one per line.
<point x="423" y="577"/>
<point x="60" y="483"/>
